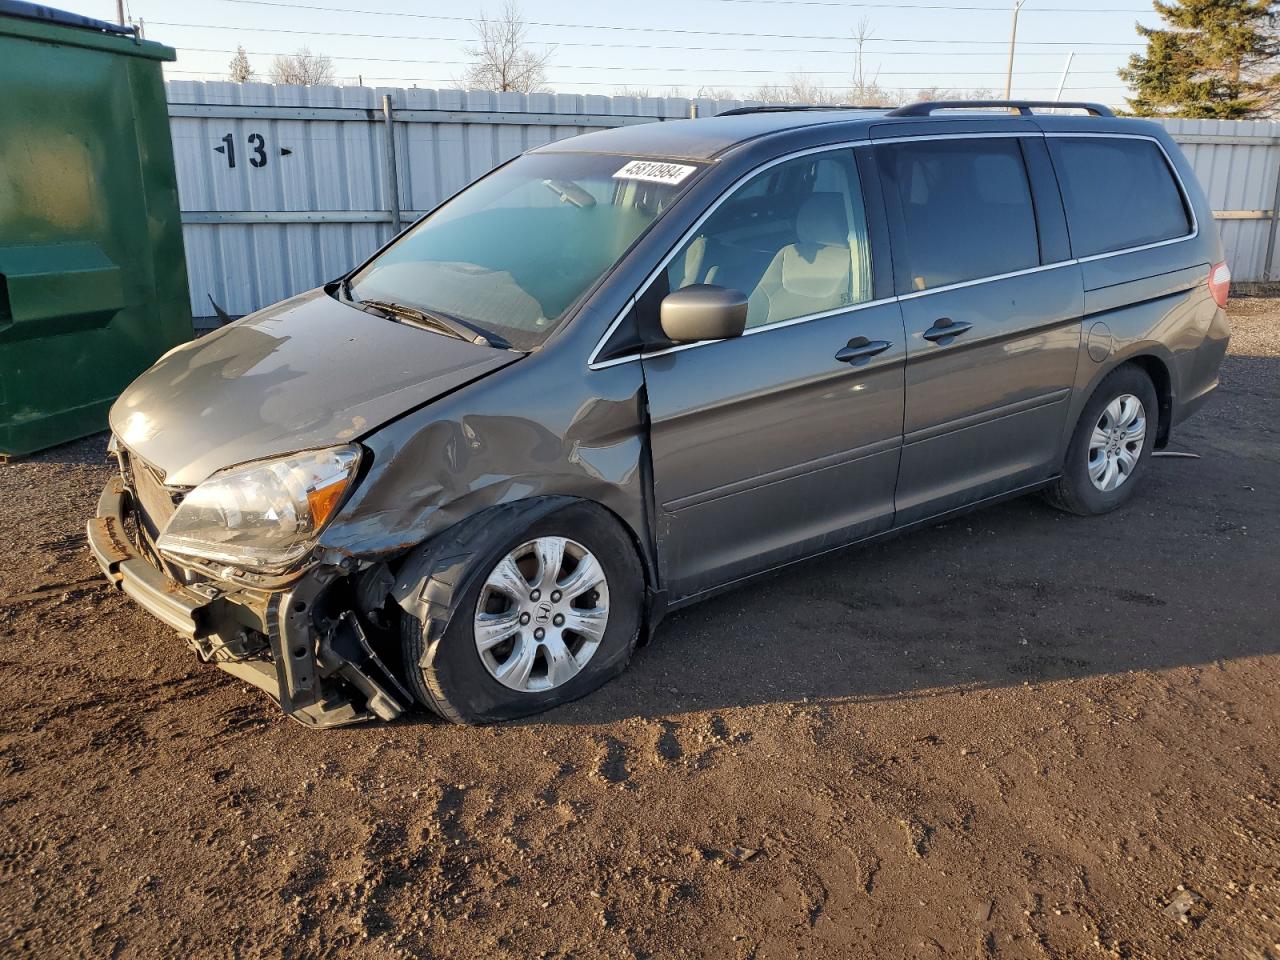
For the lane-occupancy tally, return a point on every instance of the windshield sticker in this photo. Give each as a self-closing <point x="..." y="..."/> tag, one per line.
<point x="654" y="171"/>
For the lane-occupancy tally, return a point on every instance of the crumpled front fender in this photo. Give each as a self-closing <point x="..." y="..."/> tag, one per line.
<point x="529" y="431"/>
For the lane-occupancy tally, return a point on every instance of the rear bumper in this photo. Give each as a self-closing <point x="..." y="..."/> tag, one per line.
<point x="1189" y="406"/>
<point x="321" y="681"/>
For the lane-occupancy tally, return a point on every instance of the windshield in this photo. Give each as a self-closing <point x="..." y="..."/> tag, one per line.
<point x="513" y="252"/>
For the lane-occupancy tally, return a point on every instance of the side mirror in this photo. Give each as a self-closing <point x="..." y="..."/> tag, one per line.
<point x="703" y="312"/>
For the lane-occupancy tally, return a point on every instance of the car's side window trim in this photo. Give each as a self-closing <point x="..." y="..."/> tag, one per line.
<point x="593" y="364"/>
<point x="760" y="329"/>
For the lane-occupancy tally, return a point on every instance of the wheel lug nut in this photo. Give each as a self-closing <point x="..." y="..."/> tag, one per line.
<point x="555" y="596"/>
<point x="524" y="619"/>
<point x="559" y="620"/>
<point x="539" y="634"/>
<point x="536" y="595"/>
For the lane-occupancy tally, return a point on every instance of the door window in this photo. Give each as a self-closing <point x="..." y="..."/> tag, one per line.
<point x="793" y="239"/>
<point x="966" y="209"/>
<point x="1119" y="193"/>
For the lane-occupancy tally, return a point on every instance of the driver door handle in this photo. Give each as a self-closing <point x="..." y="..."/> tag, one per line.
<point x="859" y="350"/>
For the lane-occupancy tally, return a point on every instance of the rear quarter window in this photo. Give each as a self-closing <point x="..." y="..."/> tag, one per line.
<point x="1119" y="193"/>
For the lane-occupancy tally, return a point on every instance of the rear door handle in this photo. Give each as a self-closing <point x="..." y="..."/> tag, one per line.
<point x="859" y="350"/>
<point x="944" y="330"/>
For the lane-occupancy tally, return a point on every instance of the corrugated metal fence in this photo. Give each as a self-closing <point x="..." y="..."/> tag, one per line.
<point x="1238" y="164"/>
<point x="283" y="188"/>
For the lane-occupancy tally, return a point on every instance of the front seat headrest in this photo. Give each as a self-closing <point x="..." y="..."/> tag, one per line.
<point x="821" y="221"/>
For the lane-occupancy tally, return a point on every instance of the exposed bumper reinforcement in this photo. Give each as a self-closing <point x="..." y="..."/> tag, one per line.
<point x="121" y="564"/>
<point x="302" y="679"/>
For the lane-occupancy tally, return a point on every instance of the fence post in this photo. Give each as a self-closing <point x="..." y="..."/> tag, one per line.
<point x="392" y="176"/>
<point x="1275" y="222"/>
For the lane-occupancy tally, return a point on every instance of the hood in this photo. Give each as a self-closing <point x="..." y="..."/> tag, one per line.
<point x="309" y="372"/>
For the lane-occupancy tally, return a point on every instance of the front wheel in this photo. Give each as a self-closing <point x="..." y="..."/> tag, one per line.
<point x="1111" y="445"/>
<point x="538" y="613"/>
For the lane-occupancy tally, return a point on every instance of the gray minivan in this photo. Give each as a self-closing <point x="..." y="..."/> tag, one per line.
<point x="629" y="369"/>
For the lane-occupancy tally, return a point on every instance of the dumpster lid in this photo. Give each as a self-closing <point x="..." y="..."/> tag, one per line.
<point x="33" y="21"/>
<point x="35" y="11"/>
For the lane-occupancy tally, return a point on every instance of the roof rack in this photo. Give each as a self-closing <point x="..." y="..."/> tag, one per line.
<point x="1024" y="107"/>
<point x="788" y="108"/>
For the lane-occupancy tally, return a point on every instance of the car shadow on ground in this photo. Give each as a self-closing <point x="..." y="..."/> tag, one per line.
<point x="938" y="609"/>
<point x="1014" y="593"/>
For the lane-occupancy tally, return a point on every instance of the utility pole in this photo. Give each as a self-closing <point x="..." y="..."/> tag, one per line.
<point x="1065" y="70"/>
<point x="1013" y="40"/>
<point x="120" y="12"/>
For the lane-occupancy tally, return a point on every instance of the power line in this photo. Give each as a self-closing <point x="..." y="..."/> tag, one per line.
<point x="932" y="6"/>
<point x="673" y="30"/>
<point x="604" y="83"/>
<point x="844" y="51"/>
<point x="698" y="70"/>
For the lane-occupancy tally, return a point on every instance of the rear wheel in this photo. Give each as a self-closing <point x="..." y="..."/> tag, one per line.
<point x="1110" y="446"/>
<point x="536" y="614"/>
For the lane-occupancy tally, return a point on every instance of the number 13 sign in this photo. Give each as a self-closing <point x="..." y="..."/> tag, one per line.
<point x="257" y="149"/>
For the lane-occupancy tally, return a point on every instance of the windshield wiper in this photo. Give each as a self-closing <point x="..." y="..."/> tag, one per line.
<point x="432" y="319"/>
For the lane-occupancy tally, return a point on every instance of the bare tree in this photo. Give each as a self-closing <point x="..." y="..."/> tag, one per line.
<point x="768" y="93"/>
<point x="504" y="61"/>
<point x="800" y="90"/>
<point x="717" y="93"/>
<point x="302" y="68"/>
<point x="954" y="93"/>
<point x="239" y="70"/>
<point x="645" y="92"/>
<point x="860" y="36"/>
<point x="864" y="89"/>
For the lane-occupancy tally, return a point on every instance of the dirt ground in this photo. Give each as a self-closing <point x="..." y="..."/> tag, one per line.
<point x="1019" y="734"/>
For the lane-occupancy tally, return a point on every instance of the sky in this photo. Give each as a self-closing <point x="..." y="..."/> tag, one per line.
<point x="608" y="45"/>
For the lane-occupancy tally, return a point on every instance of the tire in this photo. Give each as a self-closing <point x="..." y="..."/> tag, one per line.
<point x="447" y="672"/>
<point x="1076" y="491"/>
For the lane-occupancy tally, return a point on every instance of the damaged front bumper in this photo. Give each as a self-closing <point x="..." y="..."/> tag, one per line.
<point x="317" y="664"/>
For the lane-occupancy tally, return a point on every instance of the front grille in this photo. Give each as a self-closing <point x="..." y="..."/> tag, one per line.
<point x="155" y="505"/>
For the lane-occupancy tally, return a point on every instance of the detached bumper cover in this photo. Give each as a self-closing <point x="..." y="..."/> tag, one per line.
<point x="304" y="671"/>
<point x="157" y="594"/>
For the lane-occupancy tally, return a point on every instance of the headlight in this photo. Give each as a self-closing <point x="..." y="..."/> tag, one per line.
<point x="263" y="516"/>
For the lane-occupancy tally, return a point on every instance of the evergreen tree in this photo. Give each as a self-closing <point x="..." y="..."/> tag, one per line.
<point x="1212" y="59"/>
<point x="240" y="70"/>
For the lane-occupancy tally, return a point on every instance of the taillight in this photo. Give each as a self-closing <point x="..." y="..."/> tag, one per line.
<point x="1220" y="283"/>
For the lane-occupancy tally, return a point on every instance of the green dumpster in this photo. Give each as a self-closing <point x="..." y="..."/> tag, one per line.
<point x="93" y="283"/>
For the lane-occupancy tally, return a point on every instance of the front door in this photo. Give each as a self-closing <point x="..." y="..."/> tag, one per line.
<point x="992" y="307"/>
<point x="785" y="441"/>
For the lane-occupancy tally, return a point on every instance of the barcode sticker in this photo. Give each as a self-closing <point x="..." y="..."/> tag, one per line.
<point x="654" y="171"/>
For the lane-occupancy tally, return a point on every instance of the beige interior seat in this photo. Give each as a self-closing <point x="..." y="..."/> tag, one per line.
<point x="690" y="269"/>
<point x="812" y="275"/>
